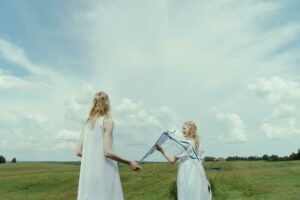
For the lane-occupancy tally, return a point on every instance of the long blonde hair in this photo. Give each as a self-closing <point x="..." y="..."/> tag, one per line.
<point x="193" y="133"/>
<point x="100" y="107"/>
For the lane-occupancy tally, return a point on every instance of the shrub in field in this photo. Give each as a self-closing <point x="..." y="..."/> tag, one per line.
<point x="295" y="156"/>
<point x="2" y="159"/>
<point x="173" y="190"/>
<point x="212" y="186"/>
<point x="14" y="160"/>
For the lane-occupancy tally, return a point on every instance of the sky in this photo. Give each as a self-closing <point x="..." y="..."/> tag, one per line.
<point x="230" y="66"/>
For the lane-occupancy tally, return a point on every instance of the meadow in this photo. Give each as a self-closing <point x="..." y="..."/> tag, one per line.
<point x="235" y="180"/>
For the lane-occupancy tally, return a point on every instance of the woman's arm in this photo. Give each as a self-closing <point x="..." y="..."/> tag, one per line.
<point x="108" y="126"/>
<point x="80" y="145"/>
<point x="170" y="159"/>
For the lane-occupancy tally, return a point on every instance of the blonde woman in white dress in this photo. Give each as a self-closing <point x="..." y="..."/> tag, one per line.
<point x="99" y="176"/>
<point x="192" y="183"/>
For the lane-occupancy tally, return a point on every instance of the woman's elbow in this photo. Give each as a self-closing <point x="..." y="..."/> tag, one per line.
<point x="108" y="154"/>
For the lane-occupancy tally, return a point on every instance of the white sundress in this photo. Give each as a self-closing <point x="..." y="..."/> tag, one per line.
<point x="99" y="176"/>
<point x="192" y="183"/>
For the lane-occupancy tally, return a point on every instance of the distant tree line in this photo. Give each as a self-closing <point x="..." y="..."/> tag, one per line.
<point x="3" y="160"/>
<point x="293" y="156"/>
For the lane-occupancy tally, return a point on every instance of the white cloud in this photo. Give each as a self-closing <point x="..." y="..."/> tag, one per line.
<point x="77" y="106"/>
<point x="283" y="111"/>
<point x="65" y="146"/>
<point x="237" y="127"/>
<point x="40" y="77"/>
<point x="3" y="143"/>
<point x="141" y="124"/>
<point x="128" y="105"/>
<point x="283" y="96"/>
<point x="281" y="130"/>
<point x="187" y="56"/>
<point x="23" y="130"/>
<point x="180" y="38"/>
<point x="276" y="89"/>
<point x="67" y="135"/>
<point x="15" y="54"/>
<point x="134" y="114"/>
<point x="66" y="140"/>
<point x="31" y="116"/>
<point x="8" y="82"/>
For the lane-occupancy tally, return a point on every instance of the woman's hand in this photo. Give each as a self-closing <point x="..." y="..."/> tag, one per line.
<point x="78" y="153"/>
<point x="134" y="166"/>
<point x="159" y="148"/>
<point x="171" y="160"/>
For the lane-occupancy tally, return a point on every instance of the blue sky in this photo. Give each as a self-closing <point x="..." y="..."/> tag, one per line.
<point x="230" y="66"/>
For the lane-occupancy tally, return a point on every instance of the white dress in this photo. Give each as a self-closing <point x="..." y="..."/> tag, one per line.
<point x="192" y="183"/>
<point x="99" y="176"/>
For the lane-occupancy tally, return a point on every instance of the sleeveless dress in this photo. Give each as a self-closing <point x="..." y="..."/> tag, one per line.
<point x="192" y="183"/>
<point x="99" y="176"/>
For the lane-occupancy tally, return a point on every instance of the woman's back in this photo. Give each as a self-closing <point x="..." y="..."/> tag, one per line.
<point x="99" y="176"/>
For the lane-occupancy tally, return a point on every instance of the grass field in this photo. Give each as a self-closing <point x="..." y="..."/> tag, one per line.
<point x="236" y="180"/>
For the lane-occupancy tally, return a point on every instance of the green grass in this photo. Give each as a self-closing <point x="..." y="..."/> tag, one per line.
<point x="235" y="181"/>
<point x="256" y="180"/>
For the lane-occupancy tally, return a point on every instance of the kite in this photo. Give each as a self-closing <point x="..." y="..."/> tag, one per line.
<point x="186" y="146"/>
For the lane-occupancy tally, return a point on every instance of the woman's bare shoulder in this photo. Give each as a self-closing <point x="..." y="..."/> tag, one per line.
<point x="108" y="120"/>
